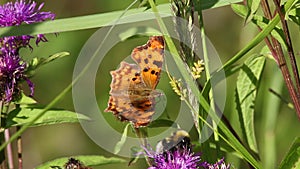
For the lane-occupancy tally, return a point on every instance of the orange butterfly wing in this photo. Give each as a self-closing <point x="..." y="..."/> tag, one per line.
<point x="150" y="60"/>
<point x="132" y="85"/>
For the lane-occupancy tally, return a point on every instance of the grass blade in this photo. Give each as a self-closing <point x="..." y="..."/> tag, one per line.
<point x="292" y="159"/>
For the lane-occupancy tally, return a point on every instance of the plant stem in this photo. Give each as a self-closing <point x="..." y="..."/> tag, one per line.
<point x="290" y="49"/>
<point x="19" y="145"/>
<point x="279" y="56"/>
<point x="3" y="162"/>
<point x="266" y="9"/>
<point x="142" y="135"/>
<point x="9" y="150"/>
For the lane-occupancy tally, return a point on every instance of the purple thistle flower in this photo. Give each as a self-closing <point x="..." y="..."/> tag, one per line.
<point x="12" y="67"/>
<point x="12" y="44"/>
<point x="14" y="14"/>
<point x="218" y="165"/>
<point x="19" y="12"/>
<point x="177" y="159"/>
<point x="11" y="73"/>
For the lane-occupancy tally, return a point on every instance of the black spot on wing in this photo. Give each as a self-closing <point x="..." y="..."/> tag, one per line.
<point x="162" y="52"/>
<point x="158" y="63"/>
<point x="146" y="60"/>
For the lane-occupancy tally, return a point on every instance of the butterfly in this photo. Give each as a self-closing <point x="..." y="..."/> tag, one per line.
<point x="132" y="94"/>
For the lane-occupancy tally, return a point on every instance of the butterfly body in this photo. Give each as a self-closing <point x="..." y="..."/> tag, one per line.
<point x="132" y="94"/>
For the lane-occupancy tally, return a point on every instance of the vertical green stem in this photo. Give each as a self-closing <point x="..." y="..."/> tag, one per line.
<point x="142" y="135"/>
<point x="207" y="71"/>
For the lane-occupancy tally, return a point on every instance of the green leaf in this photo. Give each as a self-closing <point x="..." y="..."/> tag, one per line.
<point x="144" y="3"/>
<point x="25" y="100"/>
<point x="247" y="85"/>
<point x="81" y="22"/>
<point x="89" y="160"/>
<point x="252" y="8"/>
<point x="37" y="62"/>
<point x="120" y="143"/>
<point x="98" y="20"/>
<point x="53" y="57"/>
<point x="261" y="22"/>
<point x="210" y="4"/>
<point x="292" y="158"/>
<point x="257" y="39"/>
<point x="23" y="115"/>
<point x="239" y="9"/>
<point x="277" y="33"/>
<point x="294" y="13"/>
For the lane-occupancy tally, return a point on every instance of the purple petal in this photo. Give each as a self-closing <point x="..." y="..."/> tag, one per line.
<point x="19" y="12"/>
<point x="31" y="86"/>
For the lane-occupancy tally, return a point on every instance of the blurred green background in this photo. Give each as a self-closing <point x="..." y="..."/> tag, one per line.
<point x="226" y="31"/>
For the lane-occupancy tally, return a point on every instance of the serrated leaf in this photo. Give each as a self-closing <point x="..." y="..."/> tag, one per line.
<point x="247" y="85"/>
<point x="25" y="100"/>
<point x="89" y="160"/>
<point x="292" y="158"/>
<point x="120" y="143"/>
<point x="23" y="115"/>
